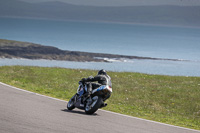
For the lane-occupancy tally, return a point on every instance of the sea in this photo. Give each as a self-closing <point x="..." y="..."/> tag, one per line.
<point x="168" y="42"/>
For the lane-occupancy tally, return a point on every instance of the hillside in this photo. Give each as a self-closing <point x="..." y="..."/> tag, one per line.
<point x="164" y="15"/>
<point x="17" y="49"/>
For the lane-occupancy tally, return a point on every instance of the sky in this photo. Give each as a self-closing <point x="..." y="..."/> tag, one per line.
<point x="126" y="2"/>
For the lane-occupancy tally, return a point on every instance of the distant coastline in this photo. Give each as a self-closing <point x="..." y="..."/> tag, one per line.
<point x="172" y="15"/>
<point x="103" y="21"/>
<point x="16" y="49"/>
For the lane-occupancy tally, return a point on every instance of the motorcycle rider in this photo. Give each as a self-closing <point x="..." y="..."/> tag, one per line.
<point x="102" y="78"/>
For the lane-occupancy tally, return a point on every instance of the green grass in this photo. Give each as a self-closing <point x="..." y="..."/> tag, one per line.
<point x="169" y="99"/>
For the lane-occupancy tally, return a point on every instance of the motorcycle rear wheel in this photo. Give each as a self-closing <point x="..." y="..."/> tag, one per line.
<point x="90" y="108"/>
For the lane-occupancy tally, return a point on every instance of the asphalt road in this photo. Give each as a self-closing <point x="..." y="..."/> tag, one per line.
<point x="25" y="112"/>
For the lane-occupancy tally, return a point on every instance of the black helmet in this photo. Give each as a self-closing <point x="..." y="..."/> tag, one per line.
<point x="102" y="72"/>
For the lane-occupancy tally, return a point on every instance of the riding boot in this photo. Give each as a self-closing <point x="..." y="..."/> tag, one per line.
<point x="89" y="91"/>
<point x="103" y="105"/>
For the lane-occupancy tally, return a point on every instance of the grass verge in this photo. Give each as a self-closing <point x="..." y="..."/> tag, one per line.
<point x="169" y="99"/>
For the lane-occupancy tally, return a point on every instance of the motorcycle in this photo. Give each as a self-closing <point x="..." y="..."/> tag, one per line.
<point x="92" y="103"/>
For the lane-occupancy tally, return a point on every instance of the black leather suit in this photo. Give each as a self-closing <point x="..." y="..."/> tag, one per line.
<point x="101" y="79"/>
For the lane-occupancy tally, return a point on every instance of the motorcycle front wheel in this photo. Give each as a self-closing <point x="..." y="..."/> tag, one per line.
<point x="71" y="103"/>
<point x="93" y="104"/>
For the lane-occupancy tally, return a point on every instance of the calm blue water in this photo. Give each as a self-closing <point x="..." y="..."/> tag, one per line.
<point x="180" y="68"/>
<point x="138" y="40"/>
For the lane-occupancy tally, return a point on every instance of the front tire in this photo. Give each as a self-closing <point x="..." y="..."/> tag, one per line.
<point x="71" y="103"/>
<point x="92" y="107"/>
